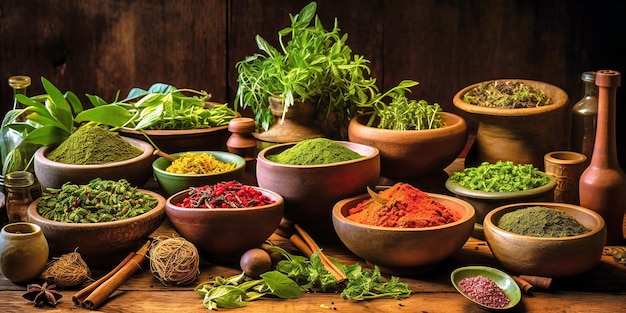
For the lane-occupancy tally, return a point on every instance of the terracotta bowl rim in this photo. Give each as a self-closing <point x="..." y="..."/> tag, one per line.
<point x="459" y="122"/>
<point x="375" y="153"/>
<point x="41" y="155"/>
<point x="241" y="163"/>
<point x="279" y="201"/>
<point x="174" y="132"/>
<point x="459" y="190"/>
<point x="488" y="222"/>
<point x="559" y="101"/>
<point x="156" y="211"/>
<point x="336" y="213"/>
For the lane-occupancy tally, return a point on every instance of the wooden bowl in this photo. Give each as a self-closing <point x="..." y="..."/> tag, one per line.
<point x="310" y="191"/>
<point x="550" y="257"/>
<point x="54" y="174"/>
<point x="172" y="183"/>
<point x="404" y="251"/>
<point x="223" y="235"/>
<point x="412" y="153"/>
<point x="102" y="245"/>
<point x="484" y="202"/>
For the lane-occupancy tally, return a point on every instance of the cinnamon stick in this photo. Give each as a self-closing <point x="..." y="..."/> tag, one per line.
<point x="328" y="264"/>
<point x="297" y="241"/>
<point x="102" y="292"/>
<point x="527" y="287"/>
<point x="538" y="281"/>
<point x="80" y="296"/>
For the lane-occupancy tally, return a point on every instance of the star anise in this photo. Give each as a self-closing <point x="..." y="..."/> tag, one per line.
<point x="42" y="294"/>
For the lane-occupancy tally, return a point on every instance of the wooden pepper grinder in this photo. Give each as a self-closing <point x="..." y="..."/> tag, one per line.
<point x="603" y="183"/>
<point x="242" y="143"/>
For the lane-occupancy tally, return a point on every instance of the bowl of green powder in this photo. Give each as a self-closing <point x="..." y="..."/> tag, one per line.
<point x="313" y="174"/>
<point x="545" y="238"/>
<point x="94" y="152"/>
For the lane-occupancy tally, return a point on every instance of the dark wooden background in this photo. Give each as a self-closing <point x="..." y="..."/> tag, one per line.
<point x="105" y="46"/>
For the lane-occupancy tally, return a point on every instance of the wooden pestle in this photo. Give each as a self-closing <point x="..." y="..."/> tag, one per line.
<point x="163" y="154"/>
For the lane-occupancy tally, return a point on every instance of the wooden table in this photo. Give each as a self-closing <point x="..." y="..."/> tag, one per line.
<point x="602" y="289"/>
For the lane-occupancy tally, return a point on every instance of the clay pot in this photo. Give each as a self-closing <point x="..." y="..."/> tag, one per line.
<point x="566" y="167"/>
<point x="522" y="135"/>
<point x="23" y="252"/>
<point x="296" y="124"/>
<point x="54" y="174"/>
<point x="412" y="153"/>
<point x="549" y="257"/>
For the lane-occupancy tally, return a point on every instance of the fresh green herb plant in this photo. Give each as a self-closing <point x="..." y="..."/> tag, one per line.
<point x="502" y="176"/>
<point x="506" y="94"/>
<point x="404" y="114"/>
<point x="162" y="106"/>
<point x="294" y="275"/>
<point x="313" y="65"/>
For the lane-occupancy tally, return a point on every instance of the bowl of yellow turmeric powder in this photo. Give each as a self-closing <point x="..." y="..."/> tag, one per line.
<point x="197" y="168"/>
<point x="403" y="230"/>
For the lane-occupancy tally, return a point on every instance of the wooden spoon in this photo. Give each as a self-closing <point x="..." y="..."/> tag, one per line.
<point x="163" y="154"/>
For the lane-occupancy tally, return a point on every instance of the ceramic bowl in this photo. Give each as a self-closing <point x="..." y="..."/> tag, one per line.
<point x="549" y="257"/>
<point x="404" y="250"/>
<point x="223" y="235"/>
<point x="54" y="174"/>
<point x="101" y="245"/>
<point x="502" y="279"/>
<point x="175" y="140"/>
<point x="310" y="191"/>
<point x="484" y="202"/>
<point x="412" y="153"/>
<point x="172" y="183"/>
<point x="522" y="135"/>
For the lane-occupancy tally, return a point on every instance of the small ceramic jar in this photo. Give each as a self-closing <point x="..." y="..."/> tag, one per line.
<point x="23" y="252"/>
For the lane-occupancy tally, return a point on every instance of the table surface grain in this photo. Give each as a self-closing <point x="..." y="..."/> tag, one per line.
<point x="602" y="289"/>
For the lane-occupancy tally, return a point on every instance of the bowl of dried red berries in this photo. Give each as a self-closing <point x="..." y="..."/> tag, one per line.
<point x="225" y="219"/>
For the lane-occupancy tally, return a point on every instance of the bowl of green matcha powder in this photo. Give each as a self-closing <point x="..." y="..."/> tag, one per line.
<point x="94" y="152"/>
<point x="545" y="238"/>
<point x="313" y="174"/>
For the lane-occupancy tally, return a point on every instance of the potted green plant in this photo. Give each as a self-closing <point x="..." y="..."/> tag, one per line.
<point x="313" y="65"/>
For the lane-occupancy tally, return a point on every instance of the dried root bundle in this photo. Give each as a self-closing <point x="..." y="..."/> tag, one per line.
<point x="174" y="261"/>
<point x="68" y="270"/>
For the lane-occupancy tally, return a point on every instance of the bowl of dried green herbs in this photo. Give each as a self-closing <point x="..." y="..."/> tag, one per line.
<point x="545" y="238"/>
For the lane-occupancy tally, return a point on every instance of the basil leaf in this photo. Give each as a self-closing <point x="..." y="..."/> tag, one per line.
<point x="110" y="114"/>
<point x="281" y="285"/>
<point x="225" y="297"/>
<point x="46" y="135"/>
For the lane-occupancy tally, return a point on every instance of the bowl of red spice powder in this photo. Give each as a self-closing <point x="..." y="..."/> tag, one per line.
<point x="402" y="229"/>
<point x="225" y="219"/>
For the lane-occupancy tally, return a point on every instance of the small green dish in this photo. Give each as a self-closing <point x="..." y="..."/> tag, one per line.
<point x="502" y="279"/>
<point x="172" y="183"/>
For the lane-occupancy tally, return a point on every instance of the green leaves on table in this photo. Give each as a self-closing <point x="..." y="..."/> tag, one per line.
<point x="296" y="274"/>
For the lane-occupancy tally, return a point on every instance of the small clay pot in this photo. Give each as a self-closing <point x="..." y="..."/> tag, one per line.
<point x="23" y="252"/>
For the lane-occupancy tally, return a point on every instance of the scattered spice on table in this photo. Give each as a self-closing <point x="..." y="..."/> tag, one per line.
<point x="539" y="221"/>
<point x="226" y="195"/>
<point x="402" y="206"/>
<point x="484" y="291"/>
<point x="502" y="176"/>
<point x="315" y="151"/>
<point x="507" y="95"/>
<point x="91" y="145"/>
<point x="98" y="201"/>
<point x="199" y="163"/>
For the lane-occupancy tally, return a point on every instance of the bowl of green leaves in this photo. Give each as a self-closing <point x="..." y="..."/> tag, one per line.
<point x="415" y="138"/>
<point x="173" y="120"/>
<point x="491" y="185"/>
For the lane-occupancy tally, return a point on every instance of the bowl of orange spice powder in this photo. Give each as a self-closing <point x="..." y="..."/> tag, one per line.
<point x="402" y="229"/>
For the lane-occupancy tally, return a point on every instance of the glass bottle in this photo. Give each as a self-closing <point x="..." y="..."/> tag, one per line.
<point x="10" y="137"/>
<point x="18" y="185"/>
<point x="584" y="117"/>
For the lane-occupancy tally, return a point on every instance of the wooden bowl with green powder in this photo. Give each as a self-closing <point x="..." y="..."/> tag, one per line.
<point x="545" y="238"/>
<point x="92" y="152"/>
<point x="323" y="172"/>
